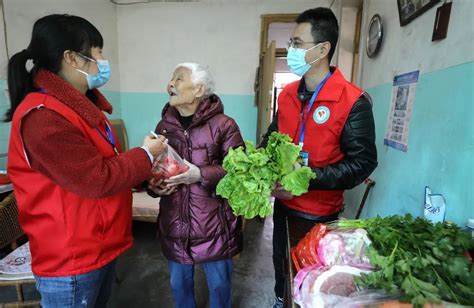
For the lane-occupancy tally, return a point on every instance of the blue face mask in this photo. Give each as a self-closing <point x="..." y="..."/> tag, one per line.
<point x="102" y="76"/>
<point x="296" y="60"/>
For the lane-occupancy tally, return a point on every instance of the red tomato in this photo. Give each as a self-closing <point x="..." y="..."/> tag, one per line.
<point x="167" y="167"/>
<point x="183" y="168"/>
<point x="172" y="169"/>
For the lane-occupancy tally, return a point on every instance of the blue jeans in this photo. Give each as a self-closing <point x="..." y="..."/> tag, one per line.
<point x="218" y="274"/>
<point x="86" y="290"/>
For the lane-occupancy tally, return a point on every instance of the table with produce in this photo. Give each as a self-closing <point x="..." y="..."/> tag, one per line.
<point x="376" y="261"/>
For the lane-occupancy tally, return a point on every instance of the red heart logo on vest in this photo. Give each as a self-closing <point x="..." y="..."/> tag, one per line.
<point x="321" y="113"/>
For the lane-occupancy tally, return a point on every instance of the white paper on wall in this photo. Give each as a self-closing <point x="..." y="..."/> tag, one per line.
<point x="401" y="107"/>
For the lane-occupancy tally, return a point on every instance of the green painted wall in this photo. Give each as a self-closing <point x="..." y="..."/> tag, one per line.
<point x="440" y="149"/>
<point x="114" y="98"/>
<point x="142" y="111"/>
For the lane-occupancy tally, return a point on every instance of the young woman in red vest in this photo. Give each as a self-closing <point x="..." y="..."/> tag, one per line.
<point x="70" y="177"/>
<point x="331" y="119"/>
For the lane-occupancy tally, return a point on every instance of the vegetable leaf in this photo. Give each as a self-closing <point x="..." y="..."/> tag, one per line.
<point x="253" y="173"/>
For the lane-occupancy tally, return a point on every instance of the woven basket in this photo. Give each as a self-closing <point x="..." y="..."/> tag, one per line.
<point x="10" y="229"/>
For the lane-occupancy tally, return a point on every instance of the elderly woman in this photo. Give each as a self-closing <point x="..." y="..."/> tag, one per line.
<point x="195" y="226"/>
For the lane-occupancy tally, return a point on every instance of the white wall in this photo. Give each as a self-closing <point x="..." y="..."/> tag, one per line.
<point x="3" y="53"/>
<point x="225" y="35"/>
<point x="409" y="48"/>
<point x="20" y="16"/>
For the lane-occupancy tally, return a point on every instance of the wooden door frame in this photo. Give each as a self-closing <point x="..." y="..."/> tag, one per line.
<point x="267" y="19"/>
<point x="357" y="41"/>
<point x="265" y="92"/>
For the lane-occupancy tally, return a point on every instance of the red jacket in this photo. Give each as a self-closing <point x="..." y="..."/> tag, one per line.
<point x="324" y="125"/>
<point x="75" y="219"/>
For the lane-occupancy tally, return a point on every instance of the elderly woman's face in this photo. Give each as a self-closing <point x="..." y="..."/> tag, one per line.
<point x="181" y="88"/>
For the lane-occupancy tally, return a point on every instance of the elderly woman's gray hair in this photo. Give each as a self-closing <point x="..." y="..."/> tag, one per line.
<point x="200" y="75"/>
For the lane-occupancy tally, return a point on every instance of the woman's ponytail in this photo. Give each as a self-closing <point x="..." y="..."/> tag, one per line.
<point x="20" y="82"/>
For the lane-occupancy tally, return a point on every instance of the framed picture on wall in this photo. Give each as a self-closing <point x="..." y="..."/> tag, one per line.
<point x="411" y="9"/>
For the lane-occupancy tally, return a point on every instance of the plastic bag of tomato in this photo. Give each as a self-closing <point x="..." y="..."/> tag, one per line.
<point x="168" y="164"/>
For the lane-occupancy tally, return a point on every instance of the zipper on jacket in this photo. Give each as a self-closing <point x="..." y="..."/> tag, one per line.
<point x="188" y="145"/>
<point x="186" y="212"/>
<point x="225" y="225"/>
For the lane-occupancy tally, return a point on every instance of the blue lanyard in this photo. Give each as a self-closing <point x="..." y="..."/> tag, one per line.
<point x="310" y="105"/>
<point x="110" y="137"/>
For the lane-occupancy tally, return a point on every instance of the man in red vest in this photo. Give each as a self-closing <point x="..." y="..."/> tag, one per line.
<point x="332" y="121"/>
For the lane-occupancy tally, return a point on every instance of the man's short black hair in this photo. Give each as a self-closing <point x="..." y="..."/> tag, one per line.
<point x="324" y="27"/>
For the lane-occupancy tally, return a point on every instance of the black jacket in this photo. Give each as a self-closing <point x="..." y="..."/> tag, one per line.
<point x="357" y="144"/>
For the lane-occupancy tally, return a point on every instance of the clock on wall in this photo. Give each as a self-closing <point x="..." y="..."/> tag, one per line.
<point x="374" y="36"/>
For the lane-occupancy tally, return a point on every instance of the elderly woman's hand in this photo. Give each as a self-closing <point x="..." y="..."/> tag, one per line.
<point x="160" y="188"/>
<point x="191" y="176"/>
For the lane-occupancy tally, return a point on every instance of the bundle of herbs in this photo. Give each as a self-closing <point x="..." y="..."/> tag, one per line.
<point x="425" y="262"/>
<point x="253" y="173"/>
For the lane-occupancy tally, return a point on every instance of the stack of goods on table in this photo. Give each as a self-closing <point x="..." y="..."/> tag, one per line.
<point x="354" y="262"/>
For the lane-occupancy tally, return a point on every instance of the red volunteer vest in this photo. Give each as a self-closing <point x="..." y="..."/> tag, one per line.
<point x="68" y="234"/>
<point x="324" y="124"/>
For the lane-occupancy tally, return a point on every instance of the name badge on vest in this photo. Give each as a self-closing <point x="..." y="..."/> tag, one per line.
<point x="305" y="157"/>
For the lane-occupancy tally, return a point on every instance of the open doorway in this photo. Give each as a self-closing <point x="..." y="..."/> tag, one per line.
<point x="272" y="74"/>
<point x="282" y="77"/>
<point x="349" y="39"/>
<point x="278" y="28"/>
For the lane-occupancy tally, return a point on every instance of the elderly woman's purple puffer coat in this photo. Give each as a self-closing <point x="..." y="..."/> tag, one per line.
<point x="195" y="225"/>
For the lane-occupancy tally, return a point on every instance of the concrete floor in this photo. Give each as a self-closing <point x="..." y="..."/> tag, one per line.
<point x="143" y="273"/>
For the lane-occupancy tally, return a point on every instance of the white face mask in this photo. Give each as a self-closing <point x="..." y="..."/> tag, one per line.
<point x="102" y="76"/>
<point x="297" y="62"/>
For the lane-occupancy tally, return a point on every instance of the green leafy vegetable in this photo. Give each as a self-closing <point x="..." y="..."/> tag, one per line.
<point x="422" y="260"/>
<point x="297" y="181"/>
<point x="252" y="174"/>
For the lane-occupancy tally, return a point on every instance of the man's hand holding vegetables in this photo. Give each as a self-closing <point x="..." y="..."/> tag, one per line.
<point x="281" y="193"/>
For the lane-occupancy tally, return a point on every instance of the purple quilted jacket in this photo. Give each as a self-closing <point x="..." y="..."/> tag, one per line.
<point x="195" y="225"/>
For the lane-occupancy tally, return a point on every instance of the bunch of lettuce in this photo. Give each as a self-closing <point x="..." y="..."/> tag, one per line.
<point x="253" y="173"/>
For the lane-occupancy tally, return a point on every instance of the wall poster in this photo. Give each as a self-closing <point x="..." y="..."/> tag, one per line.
<point x="401" y="107"/>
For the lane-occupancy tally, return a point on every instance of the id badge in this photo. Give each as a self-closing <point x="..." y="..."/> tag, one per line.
<point x="305" y="157"/>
